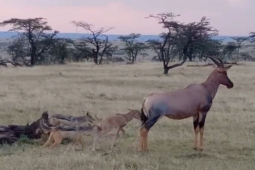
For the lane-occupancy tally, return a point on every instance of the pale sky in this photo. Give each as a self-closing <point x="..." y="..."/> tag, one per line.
<point x="230" y="17"/>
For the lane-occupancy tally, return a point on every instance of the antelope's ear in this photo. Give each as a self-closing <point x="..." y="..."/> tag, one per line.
<point x="224" y="69"/>
<point x="228" y="67"/>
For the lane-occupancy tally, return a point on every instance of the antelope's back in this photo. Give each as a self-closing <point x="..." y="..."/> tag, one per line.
<point x="177" y="104"/>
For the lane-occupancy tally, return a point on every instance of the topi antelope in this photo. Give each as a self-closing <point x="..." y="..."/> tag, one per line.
<point x="193" y="101"/>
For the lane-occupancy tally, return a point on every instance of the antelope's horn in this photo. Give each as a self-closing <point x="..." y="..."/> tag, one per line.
<point x="215" y="61"/>
<point x="220" y="60"/>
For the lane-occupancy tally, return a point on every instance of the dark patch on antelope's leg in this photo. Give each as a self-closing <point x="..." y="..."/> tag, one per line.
<point x="151" y="121"/>
<point x="154" y="115"/>
<point x="196" y="130"/>
<point x="201" y="130"/>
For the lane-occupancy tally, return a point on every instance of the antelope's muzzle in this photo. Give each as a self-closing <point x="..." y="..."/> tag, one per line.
<point x="230" y="85"/>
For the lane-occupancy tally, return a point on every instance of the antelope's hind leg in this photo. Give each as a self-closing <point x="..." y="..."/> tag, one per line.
<point x="201" y="129"/>
<point x="116" y="137"/>
<point x="196" y="130"/>
<point x="144" y="130"/>
<point x="123" y="131"/>
<point x="96" y="137"/>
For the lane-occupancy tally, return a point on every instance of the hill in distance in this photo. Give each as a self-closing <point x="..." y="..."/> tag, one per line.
<point x="8" y="35"/>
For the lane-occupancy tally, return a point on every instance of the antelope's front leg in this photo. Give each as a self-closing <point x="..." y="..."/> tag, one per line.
<point x="196" y="130"/>
<point x="201" y="130"/>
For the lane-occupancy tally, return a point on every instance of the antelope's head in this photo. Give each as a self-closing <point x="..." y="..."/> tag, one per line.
<point x="135" y="113"/>
<point x="220" y="73"/>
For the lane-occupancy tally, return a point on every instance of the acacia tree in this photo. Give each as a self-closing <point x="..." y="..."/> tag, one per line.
<point x="18" y="49"/>
<point x="81" y="50"/>
<point x="144" y="55"/>
<point x="209" y="47"/>
<point x="252" y="37"/>
<point x="229" y="49"/>
<point x="239" y="42"/>
<point x="38" y="33"/>
<point x="59" y="49"/>
<point x="132" y="47"/>
<point x="179" y="38"/>
<point x="97" y="44"/>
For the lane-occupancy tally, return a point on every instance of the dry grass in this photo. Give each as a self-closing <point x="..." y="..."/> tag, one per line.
<point x="229" y="131"/>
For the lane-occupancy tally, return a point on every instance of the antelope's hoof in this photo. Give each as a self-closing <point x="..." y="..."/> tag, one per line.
<point x="142" y="150"/>
<point x="138" y="149"/>
<point x="195" y="148"/>
<point x="201" y="149"/>
<point x="94" y="149"/>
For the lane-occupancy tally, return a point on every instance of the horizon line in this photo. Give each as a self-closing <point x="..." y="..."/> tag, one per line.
<point x="124" y="34"/>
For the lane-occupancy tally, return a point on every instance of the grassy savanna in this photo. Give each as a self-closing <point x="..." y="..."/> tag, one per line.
<point x="109" y="89"/>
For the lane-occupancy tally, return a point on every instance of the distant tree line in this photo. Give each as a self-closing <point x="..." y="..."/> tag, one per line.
<point x="37" y="43"/>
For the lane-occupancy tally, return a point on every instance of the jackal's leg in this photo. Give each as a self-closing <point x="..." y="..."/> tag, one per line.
<point x="58" y="139"/>
<point x="144" y="130"/>
<point x="196" y="130"/>
<point x="115" y="137"/>
<point x="81" y="142"/>
<point x="201" y="130"/>
<point x="77" y="140"/>
<point x="50" y="139"/>
<point x="56" y="143"/>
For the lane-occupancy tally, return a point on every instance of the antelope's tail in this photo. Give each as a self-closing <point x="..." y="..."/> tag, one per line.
<point x="143" y="117"/>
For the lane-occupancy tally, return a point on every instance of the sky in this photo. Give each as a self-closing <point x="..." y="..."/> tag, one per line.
<point x="230" y="17"/>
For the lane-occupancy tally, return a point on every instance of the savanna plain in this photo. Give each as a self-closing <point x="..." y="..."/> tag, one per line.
<point x="108" y="89"/>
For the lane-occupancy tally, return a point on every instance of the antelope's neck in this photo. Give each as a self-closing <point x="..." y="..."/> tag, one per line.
<point x="212" y="85"/>
<point x="128" y="117"/>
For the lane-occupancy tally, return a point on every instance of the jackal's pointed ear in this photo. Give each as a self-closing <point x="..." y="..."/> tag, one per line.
<point x="88" y="114"/>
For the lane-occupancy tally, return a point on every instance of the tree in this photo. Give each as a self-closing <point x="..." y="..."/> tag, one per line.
<point x="37" y="32"/>
<point x="179" y="39"/>
<point x="81" y="50"/>
<point x="18" y="49"/>
<point x="144" y="55"/>
<point x="132" y="46"/>
<point x="252" y="37"/>
<point x="239" y="41"/>
<point x="59" y="49"/>
<point x="246" y="56"/>
<point x="229" y="49"/>
<point x="210" y="47"/>
<point x="100" y="45"/>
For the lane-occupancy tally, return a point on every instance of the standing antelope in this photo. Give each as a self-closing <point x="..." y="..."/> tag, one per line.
<point x="193" y="101"/>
